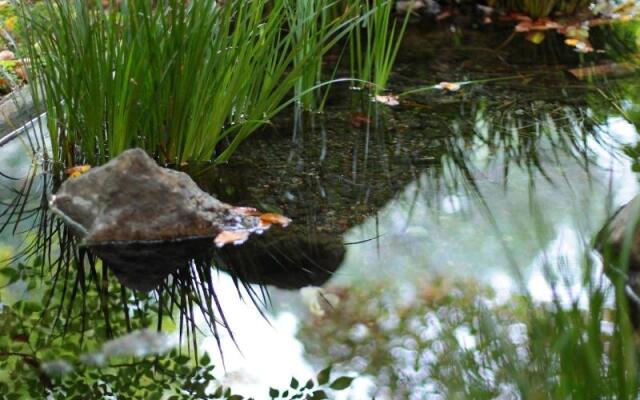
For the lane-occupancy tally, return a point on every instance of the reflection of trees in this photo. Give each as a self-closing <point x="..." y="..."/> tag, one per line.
<point x="453" y="340"/>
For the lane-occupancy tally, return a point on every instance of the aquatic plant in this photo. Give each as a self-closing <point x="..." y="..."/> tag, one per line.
<point x="308" y="22"/>
<point x="186" y="82"/>
<point x="374" y="42"/>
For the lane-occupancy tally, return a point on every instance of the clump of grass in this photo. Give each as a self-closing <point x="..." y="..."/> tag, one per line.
<point x="187" y="81"/>
<point x="374" y="42"/>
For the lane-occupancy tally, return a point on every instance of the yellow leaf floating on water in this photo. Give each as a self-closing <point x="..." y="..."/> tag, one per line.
<point x="448" y="86"/>
<point x="536" y="37"/>
<point x="76" y="171"/>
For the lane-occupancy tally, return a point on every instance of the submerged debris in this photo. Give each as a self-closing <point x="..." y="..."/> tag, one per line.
<point x="146" y="221"/>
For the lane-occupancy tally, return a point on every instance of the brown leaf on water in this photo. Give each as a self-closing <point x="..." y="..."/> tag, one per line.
<point x="77" y="170"/>
<point x="444" y="15"/>
<point x="358" y="119"/>
<point x="613" y="69"/>
<point x="231" y="237"/>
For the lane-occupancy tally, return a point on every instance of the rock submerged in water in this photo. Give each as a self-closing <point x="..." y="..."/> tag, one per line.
<point x="145" y="221"/>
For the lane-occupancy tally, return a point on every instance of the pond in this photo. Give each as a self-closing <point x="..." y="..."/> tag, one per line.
<point x="487" y="192"/>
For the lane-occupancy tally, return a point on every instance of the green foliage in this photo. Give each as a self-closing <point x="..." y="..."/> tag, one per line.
<point x="55" y="352"/>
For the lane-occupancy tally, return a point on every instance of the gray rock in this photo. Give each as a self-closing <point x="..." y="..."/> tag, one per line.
<point x="619" y="243"/>
<point x="145" y="221"/>
<point x="131" y="198"/>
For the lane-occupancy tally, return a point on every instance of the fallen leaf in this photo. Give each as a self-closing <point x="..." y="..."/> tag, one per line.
<point x="536" y="37"/>
<point x="21" y="72"/>
<point x="76" y="171"/>
<point x="358" y="119"/>
<point x="602" y="70"/>
<point x="248" y="211"/>
<point x="234" y="237"/>
<point x="390" y="100"/>
<point x="448" y="86"/>
<point x="10" y="23"/>
<point x="7" y="55"/>
<point x="268" y="219"/>
<point x="542" y="24"/>
<point x="443" y="15"/>
<point x="581" y="45"/>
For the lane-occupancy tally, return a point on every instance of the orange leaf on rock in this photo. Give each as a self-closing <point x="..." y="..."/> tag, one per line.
<point x="76" y="171"/>
<point x="268" y="219"/>
<point x="234" y="237"/>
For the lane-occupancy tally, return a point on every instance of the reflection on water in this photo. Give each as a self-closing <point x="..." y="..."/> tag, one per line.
<point x="504" y="183"/>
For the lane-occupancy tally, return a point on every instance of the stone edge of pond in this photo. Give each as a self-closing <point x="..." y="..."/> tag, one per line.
<point x="16" y="109"/>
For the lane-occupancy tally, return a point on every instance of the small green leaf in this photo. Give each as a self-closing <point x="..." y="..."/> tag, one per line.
<point x="294" y="383"/>
<point x="205" y="359"/>
<point x="318" y="395"/>
<point x="341" y="383"/>
<point x="273" y="393"/>
<point x="323" y="376"/>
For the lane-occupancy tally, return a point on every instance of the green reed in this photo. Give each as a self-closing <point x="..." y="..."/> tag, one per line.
<point x="374" y="42"/>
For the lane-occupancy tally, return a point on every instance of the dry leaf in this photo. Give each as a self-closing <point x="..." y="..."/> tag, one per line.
<point x="602" y="70"/>
<point x="234" y="237"/>
<point x="7" y="55"/>
<point x="21" y="72"/>
<point x="76" y="171"/>
<point x="536" y="37"/>
<point x="268" y="219"/>
<point x="390" y="100"/>
<point x="358" y="119"/>
<point x="444" y="15"/>
<point x="581" y="46"/>
<point x="448" y="86"/>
